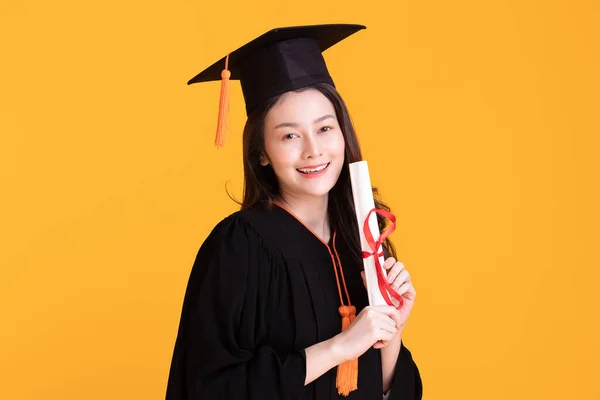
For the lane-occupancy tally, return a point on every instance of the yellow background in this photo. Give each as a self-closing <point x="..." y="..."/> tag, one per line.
<point x="480" y="124"/>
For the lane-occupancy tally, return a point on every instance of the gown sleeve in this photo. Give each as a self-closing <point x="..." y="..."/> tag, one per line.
<point x="407" y="384"/>
<point x="221" y="350"/>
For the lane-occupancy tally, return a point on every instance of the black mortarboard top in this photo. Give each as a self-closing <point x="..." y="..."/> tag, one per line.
<point x="276" y="62"/>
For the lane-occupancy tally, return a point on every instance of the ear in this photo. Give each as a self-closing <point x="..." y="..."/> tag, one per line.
<point x="264" y="160"/>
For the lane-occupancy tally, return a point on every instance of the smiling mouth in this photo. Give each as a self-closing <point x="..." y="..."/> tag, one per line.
<point x="308" y="171"/>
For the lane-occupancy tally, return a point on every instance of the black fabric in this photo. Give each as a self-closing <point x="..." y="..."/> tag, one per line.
<point x="261" y="290"/>
<point x="280" y="60"/>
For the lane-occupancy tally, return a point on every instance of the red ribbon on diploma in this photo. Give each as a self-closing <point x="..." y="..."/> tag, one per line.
<point x="384" y="286"/>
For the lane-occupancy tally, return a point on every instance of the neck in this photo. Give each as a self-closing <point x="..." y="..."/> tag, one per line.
<point x="311" y="211"/>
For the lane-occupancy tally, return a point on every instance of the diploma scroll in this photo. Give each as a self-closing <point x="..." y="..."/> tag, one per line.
<point x="378" y="289"/>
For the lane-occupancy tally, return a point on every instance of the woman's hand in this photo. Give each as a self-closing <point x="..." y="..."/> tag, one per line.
<point x="373" y="325"/>
<point x="399" y="278"/>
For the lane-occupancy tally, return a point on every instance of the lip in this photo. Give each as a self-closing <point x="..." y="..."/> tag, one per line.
<point x="313" y="166"/>
<point x="316" y="174"/>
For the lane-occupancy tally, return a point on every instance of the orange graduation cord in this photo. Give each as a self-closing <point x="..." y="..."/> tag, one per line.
<point x="223" y="119"/>
<point x="347" y="372"/>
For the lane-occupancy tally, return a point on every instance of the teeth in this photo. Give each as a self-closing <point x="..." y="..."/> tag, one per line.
<point x="307" y="171"/>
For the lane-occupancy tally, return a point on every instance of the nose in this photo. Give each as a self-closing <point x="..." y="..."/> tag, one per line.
<point x="311" y="148"/>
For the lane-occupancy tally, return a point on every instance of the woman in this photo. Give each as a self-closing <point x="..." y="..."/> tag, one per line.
<point x="272" y="283"/>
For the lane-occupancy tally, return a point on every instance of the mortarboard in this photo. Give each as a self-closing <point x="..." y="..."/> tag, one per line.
<point x="280" y="60"/>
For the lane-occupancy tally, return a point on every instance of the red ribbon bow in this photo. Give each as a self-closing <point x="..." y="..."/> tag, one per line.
<point x="384" y="286"/>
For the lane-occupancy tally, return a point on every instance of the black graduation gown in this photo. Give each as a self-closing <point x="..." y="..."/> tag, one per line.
<point x="261" y="290"/>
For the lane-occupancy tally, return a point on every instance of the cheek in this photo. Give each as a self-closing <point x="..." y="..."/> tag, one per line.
<point x="339" y="146"/>
<point x="280" y="157"/>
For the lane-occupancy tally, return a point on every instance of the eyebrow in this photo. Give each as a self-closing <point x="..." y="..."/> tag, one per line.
<point x="295" y="125"/>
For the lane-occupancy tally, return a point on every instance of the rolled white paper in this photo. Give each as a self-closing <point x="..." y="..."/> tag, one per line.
<point x="362" y="193"/>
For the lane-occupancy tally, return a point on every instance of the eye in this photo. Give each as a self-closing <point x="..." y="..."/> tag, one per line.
<point x="290" y="136"/>
<point x="326" y="128"/>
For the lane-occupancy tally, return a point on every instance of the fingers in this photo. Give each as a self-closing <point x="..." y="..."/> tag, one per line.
<point x="399" y="279"/>
<point x="386" y="336"/>
<point x="386" y="310"/>
<point x="404" y="288"/>
<point x="372" y="325"/>
<point x="402" y="278"/>
<point x="396" y="318"/>
<point x="379" y="313"/>
<point x="387" y="324"/>
<point x="389" y="263"/>
<point x="379" y="344"/>
<point x="395" y="271"/>
<point x="388" y="313"/>
<point x="397" y="275"/>
<point x="385" y="329"/>
<point x="407" y="291"/>
<point x="388" y="316"/>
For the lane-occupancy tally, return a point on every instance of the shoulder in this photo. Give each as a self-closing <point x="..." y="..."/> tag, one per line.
<point x="248" y="227"/>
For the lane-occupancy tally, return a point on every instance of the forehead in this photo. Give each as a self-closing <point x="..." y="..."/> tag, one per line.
<point x="299" y="107"/>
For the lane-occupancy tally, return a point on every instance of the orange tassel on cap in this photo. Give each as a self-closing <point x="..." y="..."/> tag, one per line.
<point x="223" y="119"/>
<point x="347" y="372"/>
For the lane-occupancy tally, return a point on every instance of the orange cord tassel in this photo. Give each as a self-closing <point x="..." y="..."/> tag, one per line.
<point x="347" y="372"/>
<point x="223" y="119"/>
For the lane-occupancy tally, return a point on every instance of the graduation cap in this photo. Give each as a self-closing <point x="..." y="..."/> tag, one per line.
<point x="276" y="62"/>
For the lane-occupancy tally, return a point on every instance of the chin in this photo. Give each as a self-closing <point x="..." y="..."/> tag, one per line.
<point x="320" y="191"/>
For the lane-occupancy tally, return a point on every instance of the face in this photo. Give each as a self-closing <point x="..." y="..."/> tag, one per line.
<point x="304" y="144"/>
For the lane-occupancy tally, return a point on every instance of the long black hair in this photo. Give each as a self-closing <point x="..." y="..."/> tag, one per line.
<point x="261" y="184"/>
